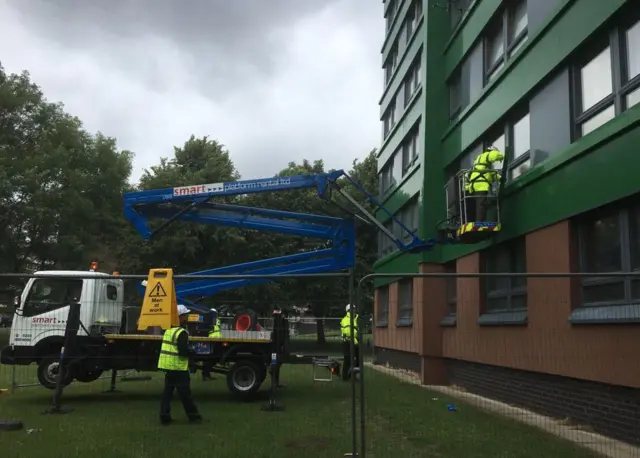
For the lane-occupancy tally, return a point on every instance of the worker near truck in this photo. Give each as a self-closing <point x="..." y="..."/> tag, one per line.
<point x="214" y="332"/>
<point x="349" y="333"/>
<point x="479" y="182"/>
<point x="174" y="362"/>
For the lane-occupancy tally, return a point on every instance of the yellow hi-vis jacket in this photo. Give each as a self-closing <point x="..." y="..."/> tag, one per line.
<point x="481" y="176"/>
<point x="169" y="359"/>
<point x="347" y="332"/>
<point x="215" y="331"/>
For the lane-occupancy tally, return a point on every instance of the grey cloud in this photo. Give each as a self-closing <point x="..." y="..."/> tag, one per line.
<point x="274" y="80"/>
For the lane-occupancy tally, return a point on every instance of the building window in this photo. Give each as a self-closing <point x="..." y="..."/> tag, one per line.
<point x="514" y="141"/>
<point x="520" y="156"/>
<point x="607" y="81"/>
<point x="455" y="99"/>
<point x="413" y="80"/>
<point x="409" y="216"/>
<point x="457" y="9"/>
<point x="413" y="18"/>
<point x="506" y="34"/>
<point x="382" y="312"/>
<point x="389" y="118"/>
<point x="385" y="244"/>
<point x="410" y="149"/>
<point x="386" y="177"/>
<point x="506" y="293"/>
<point x="452" y="288"/>
<point x="610" y="242"/>
<point x="391" y="14"/>
<point x="405" y="302"/>
<point x="390" y="64"/>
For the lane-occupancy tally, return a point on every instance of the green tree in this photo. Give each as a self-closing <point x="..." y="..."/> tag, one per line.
<point x="60" y="187"/>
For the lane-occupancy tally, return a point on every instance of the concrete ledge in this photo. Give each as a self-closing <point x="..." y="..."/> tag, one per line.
<point x="602" y="445"/>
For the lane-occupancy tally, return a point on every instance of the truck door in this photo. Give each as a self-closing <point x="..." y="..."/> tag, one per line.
<point x="44" y="309"/>
<point x="107" y="313"/>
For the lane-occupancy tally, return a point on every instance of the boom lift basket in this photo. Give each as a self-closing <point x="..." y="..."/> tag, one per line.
<point x="462" y="208"/>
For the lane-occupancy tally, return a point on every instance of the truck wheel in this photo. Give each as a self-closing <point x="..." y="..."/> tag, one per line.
<point x="246" y="321"/>
<point x="48" y="372"/>
<point x="244" y="378"/>
<point x="88" y="376"/>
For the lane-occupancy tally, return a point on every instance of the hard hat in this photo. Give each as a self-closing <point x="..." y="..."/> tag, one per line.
<point x="214" y="310"/>
<point x="348" y="308"/>
<point x="492" y="148"/>
<point x="182" y="310"/>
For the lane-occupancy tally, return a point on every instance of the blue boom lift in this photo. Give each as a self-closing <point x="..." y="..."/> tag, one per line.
<point x="197" y="204"/>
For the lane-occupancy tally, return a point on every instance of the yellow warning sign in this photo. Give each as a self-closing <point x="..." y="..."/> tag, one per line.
<point x="159" y="307"/>
<point x="158" y="291"/>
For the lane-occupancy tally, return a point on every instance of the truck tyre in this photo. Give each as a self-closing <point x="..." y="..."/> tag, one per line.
<point x="48" y="371"/>
<point x="244" y="378"/>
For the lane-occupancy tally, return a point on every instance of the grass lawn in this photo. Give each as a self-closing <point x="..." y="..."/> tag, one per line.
<point x="403" y="420"/>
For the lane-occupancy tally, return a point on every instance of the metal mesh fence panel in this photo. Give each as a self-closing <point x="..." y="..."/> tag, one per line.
<point x="111" y="383"/>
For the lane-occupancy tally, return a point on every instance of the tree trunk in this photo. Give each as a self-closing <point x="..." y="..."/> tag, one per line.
<point x="322" y="340"/>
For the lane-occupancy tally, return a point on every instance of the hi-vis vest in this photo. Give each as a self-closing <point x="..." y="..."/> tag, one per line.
<point x="481" y="176"/>
<point x="347" y="332"/>
<point x="169" y="359"/>
<point x="215" y="332"/>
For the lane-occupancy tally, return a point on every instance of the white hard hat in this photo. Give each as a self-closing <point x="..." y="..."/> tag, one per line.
<point x="348" y="307"/>
<point x="214" y="310"/>
<point x="182" y="310"/>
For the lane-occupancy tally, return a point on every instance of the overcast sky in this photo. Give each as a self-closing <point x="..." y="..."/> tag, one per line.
<point x="273" y="80"/>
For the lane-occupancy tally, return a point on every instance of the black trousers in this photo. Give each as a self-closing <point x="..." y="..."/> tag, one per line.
<point x="179" y="381"/>
<point x="476" y="204"/>
<point x="348" y="362"/>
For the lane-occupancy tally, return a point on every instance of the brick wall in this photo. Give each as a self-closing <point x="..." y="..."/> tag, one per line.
<point x="610" y="410"/>
<point x="397" y="359"/>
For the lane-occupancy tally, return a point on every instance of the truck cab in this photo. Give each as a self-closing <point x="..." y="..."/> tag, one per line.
<point x="39" y="322"/>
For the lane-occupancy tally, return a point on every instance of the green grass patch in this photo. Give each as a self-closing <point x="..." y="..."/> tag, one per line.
<point x="403" y="420"/>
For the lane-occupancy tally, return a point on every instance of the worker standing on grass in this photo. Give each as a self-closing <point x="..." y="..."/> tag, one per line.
<point x="481" y="177"/>
<point x="174" y="362"/>
<point x="348" y="334"/>
<point x="214" y="332"/>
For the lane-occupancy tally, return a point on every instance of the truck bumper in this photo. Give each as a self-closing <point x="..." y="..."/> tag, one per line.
<point x="21" y="356"/>
<point x="7" y="356"/>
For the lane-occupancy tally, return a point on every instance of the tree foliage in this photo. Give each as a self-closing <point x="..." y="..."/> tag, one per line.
<point x="61" y="206"/>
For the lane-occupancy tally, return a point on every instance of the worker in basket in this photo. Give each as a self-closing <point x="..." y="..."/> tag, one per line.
<point x="174" y="362"/>
<point x="214" y="332"/>
<point x="479" y="182"/>
<point x="349" y="333"/>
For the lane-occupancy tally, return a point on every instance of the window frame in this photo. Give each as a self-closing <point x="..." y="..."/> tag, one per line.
<point x="502" y="22"/>
<point x="455" y="86"/>
<point x="382" y="310"/>
<point x="413" y="80"/>
<point x="622" y="86"/>
<point x="514" y="249"/>
<point x="404" y="306"/>
<point x="507" y="128"/>
<point x="624" y="213"/>
<point x="389" y="118"/>
<point x="412" y="137"/>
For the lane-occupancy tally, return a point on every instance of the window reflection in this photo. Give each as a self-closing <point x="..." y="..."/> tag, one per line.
<point x="601" y="245"/>
<point x="593" y="123"/>
<point x="632" y="98"/>
<point x="595" y="79"/>
<point x="518" y="21"/>
<point x="495" y="49"/>
<point x="521" y="137"/>
<point x="633" y="51"/>
<point x="520" y="169"/>
<point x="501" y="145"/>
